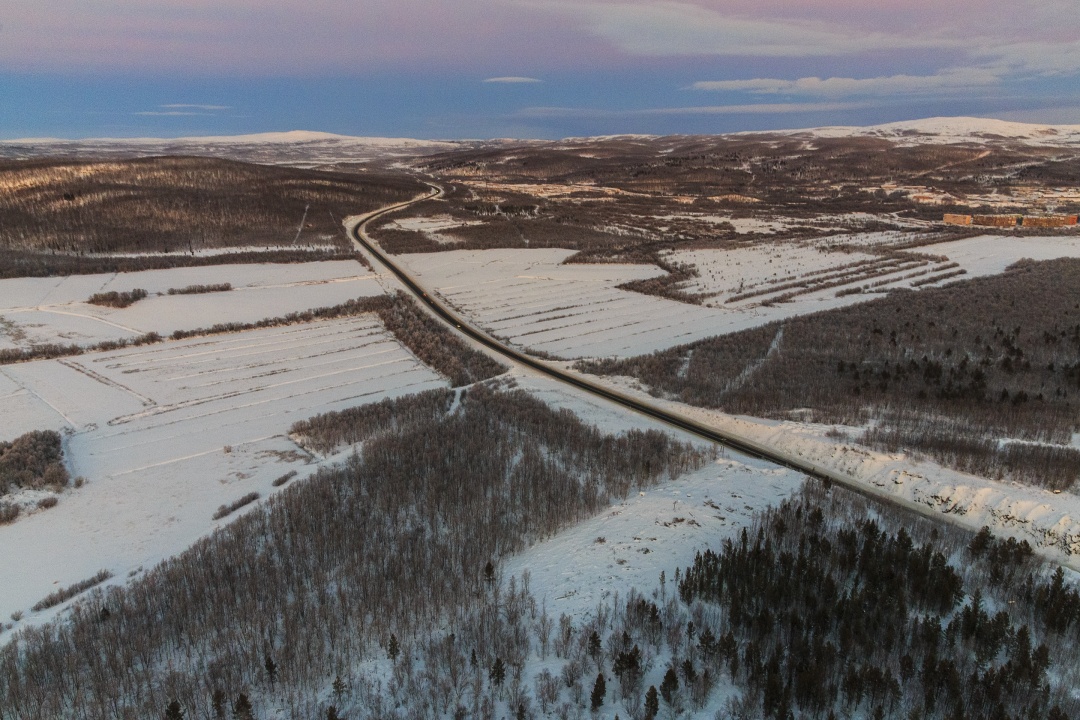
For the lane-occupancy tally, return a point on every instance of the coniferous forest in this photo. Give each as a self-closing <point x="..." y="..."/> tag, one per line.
<point x="377" y="590"/>
<point x="944" y="371"/>
<point x="335" y="569"/>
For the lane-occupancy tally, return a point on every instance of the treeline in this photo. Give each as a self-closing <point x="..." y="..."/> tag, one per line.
<point x="66" y="593"/>
<point x="945" y="371"/>
<point x="830" y="606"/>
<point x="349" y="308"/>
<point x="327" y="433"/>
<point x="435" y="345"/>
<point x="182" y="204"/>
<point x="50" y="351"/>
<point x="337" y="570"/>
<point x="200" y="289"/>
<point x="32" y="460"/>
<point x="428" y="339"/>
<point x="817" y="617"/>
<point x="17" y="263"/>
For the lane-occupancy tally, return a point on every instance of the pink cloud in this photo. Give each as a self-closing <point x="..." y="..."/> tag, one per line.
<point x="279" y="36"/>
<point x="501" y="37"/>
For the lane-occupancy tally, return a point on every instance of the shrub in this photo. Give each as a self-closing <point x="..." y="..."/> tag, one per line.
<point x="284" y="478"/>
<point x="63" y="594"/>
<point x="199" y="289"/>
<point x="235" y="505"/>
<point x="33" y="460"/>
<point x="117" y="299"/>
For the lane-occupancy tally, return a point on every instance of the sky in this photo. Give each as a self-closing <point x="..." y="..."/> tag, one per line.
<point x="446" y="69"/>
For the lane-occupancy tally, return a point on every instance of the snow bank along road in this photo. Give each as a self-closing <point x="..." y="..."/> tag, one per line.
<point x="736" y="442"/>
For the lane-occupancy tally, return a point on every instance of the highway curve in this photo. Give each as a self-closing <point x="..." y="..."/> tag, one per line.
<point x="735" y="442"/>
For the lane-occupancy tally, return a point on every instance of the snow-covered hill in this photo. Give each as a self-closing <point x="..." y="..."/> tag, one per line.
<point x="292" y="147"/>
<point x="291" y="136"/>
<point x="952" y="130"/>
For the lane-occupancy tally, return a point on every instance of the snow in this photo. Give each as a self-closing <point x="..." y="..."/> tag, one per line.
<point x="657" y="530"/>
<point x="741" y="225"/>
<point x="288" y="137"/>
<point x="432" y="223"/>
<point x="433" y="226"/>
<point x="991" y="254"/>
<point x="727" y="273"/>
<point x="1049" y="521"/>
<point x="572" y="311"/>
<point x="166" y="433"/>
<point x="53" y="310"/>
<point x="953" y="130"/>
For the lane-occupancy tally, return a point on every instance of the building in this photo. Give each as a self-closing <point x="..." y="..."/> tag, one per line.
<point x="1049" y="221"/>
<point x="954" y="219"/>
<point x="996" y="220"/>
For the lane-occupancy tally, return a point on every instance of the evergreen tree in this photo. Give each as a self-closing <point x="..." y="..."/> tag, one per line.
<point x="271" y="669"/>
<point x="707" y="643"/>
<point x="1056" y="713"/>
<point x="173" y="711"/>
<point x="669" y="685"/>
<point x="217" y="701"/>
<point x="332" y="713"/>
<point x="594" y="648"/>
<point x="652" y="703"/>
<point x="338" y="687"/>
<point x="242" y="709"/>
<point x="392" y="648"/>
<point x="498" y="672"/>
<point x="599" y="690"/>
<point x="688" y="671"/>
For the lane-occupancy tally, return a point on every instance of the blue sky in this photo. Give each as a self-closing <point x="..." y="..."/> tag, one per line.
<point x="526" y="68"/>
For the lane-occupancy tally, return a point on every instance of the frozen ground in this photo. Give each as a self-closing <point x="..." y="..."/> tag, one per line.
<point x="991" y="254"/>
<point x="531" y="299"/>
<point x="1049" y="521"/>
<point x="166" y="433"/>
<point x="953" y="130"/>
<point x="656" y="531"/>
<point x="434" y="227"/>
<point x="643" y="534"/>
<point x="54" y="310"/>
<point x="762" y="273"/>
<point x="741" y="225"/>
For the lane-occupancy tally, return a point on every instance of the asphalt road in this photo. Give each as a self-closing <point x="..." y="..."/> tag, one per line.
<point x="740" y="444"/>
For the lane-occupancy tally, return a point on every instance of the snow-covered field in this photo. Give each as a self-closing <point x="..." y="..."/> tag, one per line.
<point x="166" y="433"/>
<point x="764" y="272"/>
<point x="54" y="309"/>
<point x="433" y="226"/>
<point x="531" y="299"/>
<point x="1049" y="521"/>
<point x="741" y="225"/>
<point x="991" y="254"/>
<point x="953" y="130"/>
<point x="658" y="530"/>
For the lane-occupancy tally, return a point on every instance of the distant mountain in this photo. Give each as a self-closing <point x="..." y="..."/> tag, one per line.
<point x="293" y="147"/>
<point x="290" y="137"/>
<point x="304" y="147"/>
<point x="953" y="130"/>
